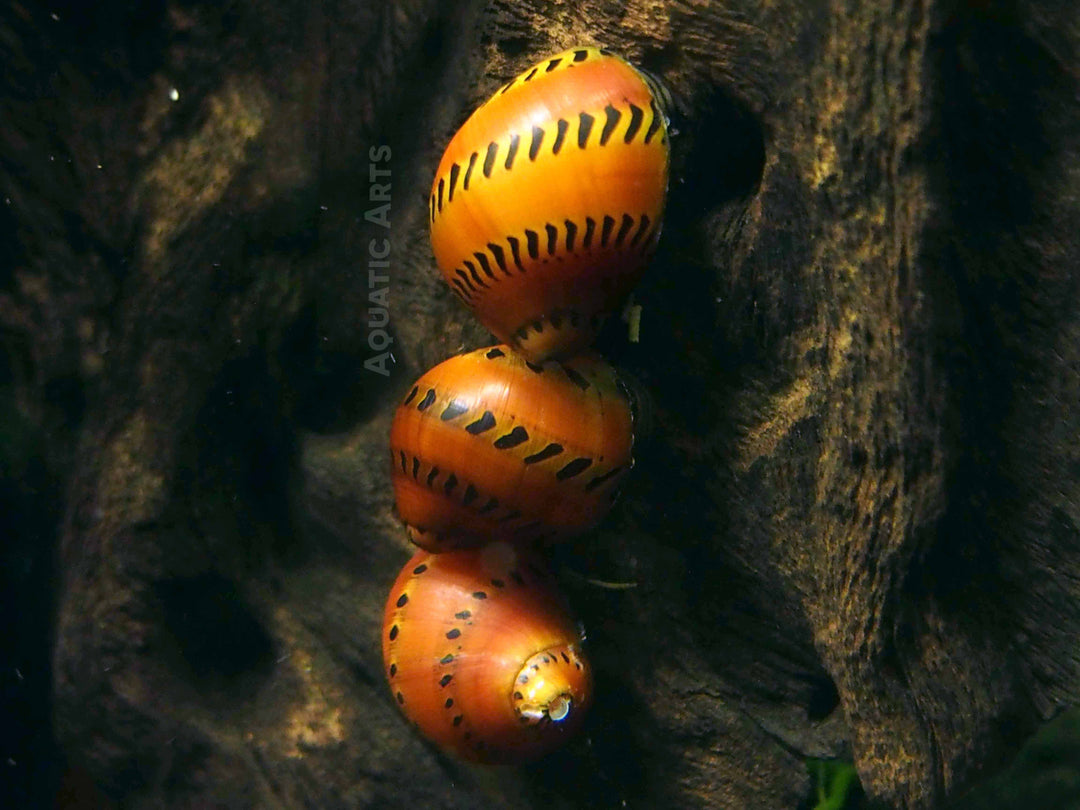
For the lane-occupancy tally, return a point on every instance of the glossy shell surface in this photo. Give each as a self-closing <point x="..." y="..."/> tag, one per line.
<point x="488" y="446"/>
<point x="482" y="655"/>
<point x="548" y="201"/>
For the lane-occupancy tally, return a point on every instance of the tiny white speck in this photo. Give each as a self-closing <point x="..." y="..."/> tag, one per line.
<point x="11" y="762"/>
<point x="18" y="674"/>
<point x="174" y="94"/>
<point x="392" y="360"/>
<point x="55" y="16"/>
<point x="323" y="208"/>
<point x="7" y="200"/>
<point x="99" y="165"/>
<point x="52" y="158"/>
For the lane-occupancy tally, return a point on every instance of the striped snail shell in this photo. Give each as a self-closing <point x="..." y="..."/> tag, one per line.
<point x="482" y="655"/>
<point x="548" y="201"/>
<point x="489" y="446"/>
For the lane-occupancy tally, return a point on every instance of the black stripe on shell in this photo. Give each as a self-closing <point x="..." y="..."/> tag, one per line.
<point x="512" y="439"/>
<point x="590" y="228"/>
<point x="468" y="171"/>
<point x="575" y="467"/>
<point x="515" y="139"/>
<point x="515" y="251"/>
<point x="485" y="265"/>
<point x="537" y="139"/>
<point x="636" y="117"/>
<point x="485" y="422"/>
<point x="560" y="135"/>
<point x="455" y="170"/>
<point x="605" y="231"/>
<point x="603" y="478"/>
<point x="500" y="257"/>
<point x="453" y="410"/>
<point x="553" y="449"/>
<point x="654" y="125"/>
<point x="612" y="120"/>
<point x="552" y="238"/>
<point x="585" y="124"/>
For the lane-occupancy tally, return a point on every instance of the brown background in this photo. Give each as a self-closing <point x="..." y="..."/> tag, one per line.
<point x="852" y="527"/>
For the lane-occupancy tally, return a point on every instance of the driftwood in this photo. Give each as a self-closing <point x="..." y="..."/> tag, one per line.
<point x="852" y="529"/>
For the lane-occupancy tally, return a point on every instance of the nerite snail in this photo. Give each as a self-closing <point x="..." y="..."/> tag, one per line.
<point x="482" y="656"/>
<point x="488" y="446"/>
<point x="544" y="211"/>
<point x="548" y="201"/>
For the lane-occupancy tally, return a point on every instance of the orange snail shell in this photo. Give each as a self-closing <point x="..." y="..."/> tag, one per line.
<point x="482" y="655"/>
<point x="488" y="446"/>
<point x="548" y="201"/>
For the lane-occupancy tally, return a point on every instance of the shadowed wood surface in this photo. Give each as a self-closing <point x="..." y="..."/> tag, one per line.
<point x="851" y="530"/>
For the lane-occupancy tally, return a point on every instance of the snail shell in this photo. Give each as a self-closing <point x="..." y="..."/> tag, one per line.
<point x="488" y="446"/>
<point x="548" y="201"/>
<point x="482" y="655"/>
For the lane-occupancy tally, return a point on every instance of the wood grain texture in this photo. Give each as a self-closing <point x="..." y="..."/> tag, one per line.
<point x="852" y="531"/>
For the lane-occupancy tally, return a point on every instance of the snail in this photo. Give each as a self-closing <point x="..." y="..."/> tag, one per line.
<point x="489" y="446"/>
<point x="482" y="655"/>
<point x="549" y="199"/>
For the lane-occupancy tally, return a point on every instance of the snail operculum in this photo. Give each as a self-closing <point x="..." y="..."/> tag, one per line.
<point x="552" y="686"/>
